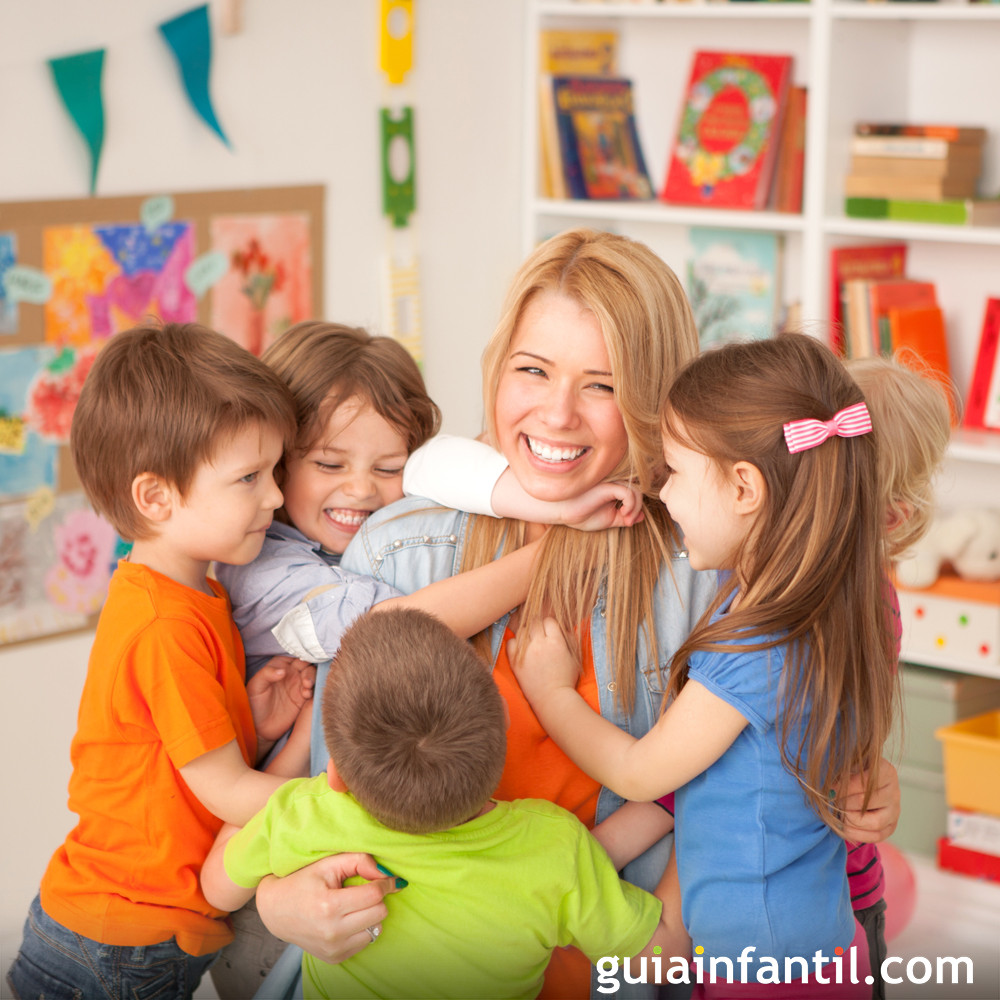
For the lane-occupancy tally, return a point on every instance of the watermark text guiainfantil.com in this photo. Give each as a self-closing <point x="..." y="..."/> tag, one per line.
<point x="841" y="967"/>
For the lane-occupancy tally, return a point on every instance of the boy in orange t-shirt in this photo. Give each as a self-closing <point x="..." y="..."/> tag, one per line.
<point x="176" y="437"/>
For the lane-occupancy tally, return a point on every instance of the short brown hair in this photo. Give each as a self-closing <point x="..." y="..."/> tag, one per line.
<point x="160" y="399"/>
<point x="325" y="364"/>
<point x="413" y="721"/>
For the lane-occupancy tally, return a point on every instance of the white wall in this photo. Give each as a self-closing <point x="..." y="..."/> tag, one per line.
<point x="297" y="92"/>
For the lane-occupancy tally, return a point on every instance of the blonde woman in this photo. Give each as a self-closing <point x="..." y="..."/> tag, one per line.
<point x="574" y="381"/>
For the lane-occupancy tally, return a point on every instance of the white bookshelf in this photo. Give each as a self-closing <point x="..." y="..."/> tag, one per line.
<point x="889" y="61"/>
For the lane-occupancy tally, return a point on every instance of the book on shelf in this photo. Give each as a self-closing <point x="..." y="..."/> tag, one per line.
<point x="953" y="133"/>
<point x="911" y="145"/>
<point x="910" y="188"/>
<point x="895" y="293"/>
<point x="867" y="304"/>
<point x="725" y="147"/>
<point x="870" y="260"/>
<point x="921" y="331"/>
<point x="938" y="168"/>
<point x="734" y="283"/>
<point x="598" y="139"/>
<point x="566" y="52"/>
<point x="789" y="171"/>
<point x="982" y="405"/>
<point x="959" y="212"/>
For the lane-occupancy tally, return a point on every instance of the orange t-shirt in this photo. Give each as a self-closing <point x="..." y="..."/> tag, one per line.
<point x="536" y="768"/>
<point x="165" y="685"/>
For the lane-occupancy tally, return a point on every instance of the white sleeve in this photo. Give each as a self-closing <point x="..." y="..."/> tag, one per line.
<point x="456" y="472"/>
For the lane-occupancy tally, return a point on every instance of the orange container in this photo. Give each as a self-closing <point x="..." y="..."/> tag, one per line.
<point x="972" y="763"/>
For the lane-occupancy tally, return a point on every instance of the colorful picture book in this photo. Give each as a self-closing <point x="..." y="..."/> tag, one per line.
<point x="567" y="52"/>
<point x="872" y="260"/>
<point x="598" y="139"/>
<point x="726" y="144"/>
<point x="734" y="284"/>
<point x="982" y="406"/>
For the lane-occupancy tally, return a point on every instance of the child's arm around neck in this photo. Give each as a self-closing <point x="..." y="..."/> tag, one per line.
<point x="471" y="601"/>
<point x="694" y="732"/>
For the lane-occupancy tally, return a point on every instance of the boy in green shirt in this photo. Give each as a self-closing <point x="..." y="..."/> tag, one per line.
<point x="416" y="731"/>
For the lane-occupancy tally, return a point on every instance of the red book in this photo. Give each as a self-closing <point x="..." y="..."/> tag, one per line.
<point x="982" y="408"/>
<point x="922" y="332"/>
<point x="872" y="261"/>
<point x="726" y="143"/>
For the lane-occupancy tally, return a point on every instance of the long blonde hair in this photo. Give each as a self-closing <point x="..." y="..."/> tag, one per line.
<point x="649" y="333"/>
<point x="813" y="571"/>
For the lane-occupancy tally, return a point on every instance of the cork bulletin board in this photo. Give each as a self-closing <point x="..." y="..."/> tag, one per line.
<point x="248" y="263"/>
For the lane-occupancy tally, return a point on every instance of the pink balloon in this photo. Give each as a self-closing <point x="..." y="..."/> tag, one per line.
<point x="900" y="890"/>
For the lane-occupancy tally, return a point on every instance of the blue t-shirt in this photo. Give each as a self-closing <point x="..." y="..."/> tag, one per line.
<point x="757" y="865"/>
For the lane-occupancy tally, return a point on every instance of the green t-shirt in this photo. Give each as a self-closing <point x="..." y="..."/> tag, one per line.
<point x="486" y="903"/>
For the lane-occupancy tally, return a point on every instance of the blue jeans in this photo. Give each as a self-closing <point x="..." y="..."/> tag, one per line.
<point x="57" y="964"/>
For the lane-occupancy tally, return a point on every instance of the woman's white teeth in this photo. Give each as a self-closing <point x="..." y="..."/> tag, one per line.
<point x="352" y="517"/>
<point x="543" y="451"/>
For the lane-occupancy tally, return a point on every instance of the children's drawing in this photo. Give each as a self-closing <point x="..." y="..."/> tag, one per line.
<point x="53" y="394"/>
<point x="8" y="307"/>
<point x="85" y="547"/>
<point x="268" y="287"/>
<point x="108" y="278"/>
<point x="72" y="275"/>
<point x="28" y="459"/>
<point x="27" y="557"/>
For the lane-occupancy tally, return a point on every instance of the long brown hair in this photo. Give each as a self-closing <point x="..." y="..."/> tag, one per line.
<point x="649" y="333"/>
<point x="812" y="573"/>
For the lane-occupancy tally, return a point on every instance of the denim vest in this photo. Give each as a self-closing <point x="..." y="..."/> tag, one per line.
<point x="414" y="542"/>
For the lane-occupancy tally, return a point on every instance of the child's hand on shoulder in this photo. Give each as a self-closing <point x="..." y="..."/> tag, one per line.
<point x="542" y="661"/>
<point x="277" y="692"/>
<point x="607" y="505"/>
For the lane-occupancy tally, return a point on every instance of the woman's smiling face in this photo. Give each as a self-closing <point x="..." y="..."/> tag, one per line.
<point x="557" y="421"/>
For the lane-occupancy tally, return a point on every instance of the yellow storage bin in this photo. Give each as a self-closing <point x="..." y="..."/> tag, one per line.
<point x="972" y="763"/>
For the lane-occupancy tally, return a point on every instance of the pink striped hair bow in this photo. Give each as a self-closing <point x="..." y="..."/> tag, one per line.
<point x="852" y="421"/>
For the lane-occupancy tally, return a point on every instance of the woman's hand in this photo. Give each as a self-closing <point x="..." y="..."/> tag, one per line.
<point x="878" y="821"/>
<point x="542" y="661"/>
<point x="277" y="692"/>
<point x="312" y="909"/>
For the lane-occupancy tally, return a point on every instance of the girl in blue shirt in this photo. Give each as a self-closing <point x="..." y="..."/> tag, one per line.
<point x="786" y="685"/>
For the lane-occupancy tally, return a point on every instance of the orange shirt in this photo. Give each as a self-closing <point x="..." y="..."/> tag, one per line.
<point x="536" y="768"/>
<point x="165" y="685"/>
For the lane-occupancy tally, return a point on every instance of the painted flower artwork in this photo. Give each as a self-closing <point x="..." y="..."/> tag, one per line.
<point x="269" y="284"/>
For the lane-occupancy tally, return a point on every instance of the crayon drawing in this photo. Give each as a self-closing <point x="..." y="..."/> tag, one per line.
<point x="269" y="283"/>
<point x="52" y="575"/>
<point x="8" y="307"/>
<point x="106" y="278"/>
<point x="28" y="459"/>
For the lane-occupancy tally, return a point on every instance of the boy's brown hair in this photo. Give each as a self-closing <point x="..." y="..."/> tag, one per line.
<point x="413" y="721"/>
<point x="325" y="364"/>
<point x="912" y="422"/>
<point x="160" y="399"/>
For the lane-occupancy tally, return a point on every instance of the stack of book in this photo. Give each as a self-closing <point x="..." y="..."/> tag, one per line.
<point x="918" y="173"/>
<point x="882" y="311"/>
<point x="588" y="141"/>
